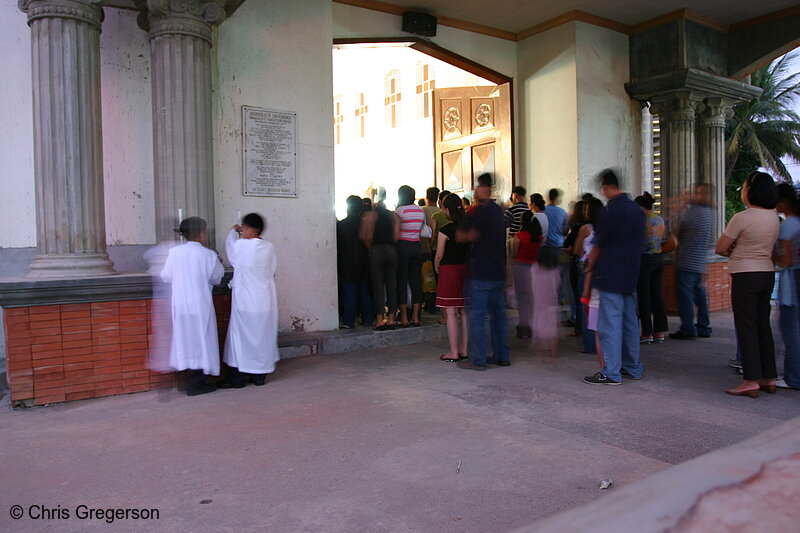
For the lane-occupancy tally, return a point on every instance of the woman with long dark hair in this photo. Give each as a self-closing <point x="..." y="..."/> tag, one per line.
<point x="576" y="222"/>
<point x="409" y="255"/>
<point x="451" y="265"/>
<point x="652" y="311"/>
<point x="583" y="245"/>
<point x="748" y="241"/>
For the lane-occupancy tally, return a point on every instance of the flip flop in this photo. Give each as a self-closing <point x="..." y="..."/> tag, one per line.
<point x="448" y="359"/>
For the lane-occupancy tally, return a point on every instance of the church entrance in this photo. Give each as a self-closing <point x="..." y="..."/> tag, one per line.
<point x="407" y="112"/>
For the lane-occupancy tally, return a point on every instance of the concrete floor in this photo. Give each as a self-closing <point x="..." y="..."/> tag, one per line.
<point x="371" y="441"/>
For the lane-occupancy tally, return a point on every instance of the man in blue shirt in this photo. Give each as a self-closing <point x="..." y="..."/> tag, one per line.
<point x="614" y="262"/>
<point x="556" y="230"/>
<point x="486" y="280"/>
<point x="557" y="219"/>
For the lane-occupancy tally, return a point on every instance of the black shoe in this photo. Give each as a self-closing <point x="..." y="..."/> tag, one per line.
<point x="734" y="363"/>
<point x="259" y="381"/>
<point x="626" y="374"/>
<point x="600" y="379"/>
<point x="493" y="361"/>
<point x="345" y="326"/>
<point x="468" y="365"/>
<point x="568" y="323"/>
<point x="704" y="335"/>
<point x="200" y="388"/>
<point x="225" y="384"/>
<point x="681" y="336"/>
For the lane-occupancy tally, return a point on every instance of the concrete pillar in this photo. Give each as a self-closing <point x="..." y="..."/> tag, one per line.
<point x="647" y="149"/>
<point x="180" y="54"/>
<point x="677" y="115"/>
<point x="712" y="152"/>
<point x="67" y="131"/>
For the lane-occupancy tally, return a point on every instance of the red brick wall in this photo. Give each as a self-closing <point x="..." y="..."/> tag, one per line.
<point x="58" y="353"/>
<point x="717" y="283"/>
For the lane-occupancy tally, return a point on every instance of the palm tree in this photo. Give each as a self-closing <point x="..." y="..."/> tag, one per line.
<point x="767" y="127"/>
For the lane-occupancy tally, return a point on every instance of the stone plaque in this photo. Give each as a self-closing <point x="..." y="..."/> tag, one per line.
<point x="269" y="152"/>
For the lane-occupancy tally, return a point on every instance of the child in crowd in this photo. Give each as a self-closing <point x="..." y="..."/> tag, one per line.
<point x="192" y="270"/>
<point x="252" y="343"/>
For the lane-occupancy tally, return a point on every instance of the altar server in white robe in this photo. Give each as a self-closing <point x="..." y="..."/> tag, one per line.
<point x="192" y="270"/>
<point x="251" y="346"/>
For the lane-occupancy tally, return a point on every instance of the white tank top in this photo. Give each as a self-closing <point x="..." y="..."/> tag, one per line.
<point x="587" y="243"/>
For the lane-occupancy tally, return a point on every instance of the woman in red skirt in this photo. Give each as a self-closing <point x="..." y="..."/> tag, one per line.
<point x="451" y="264"/>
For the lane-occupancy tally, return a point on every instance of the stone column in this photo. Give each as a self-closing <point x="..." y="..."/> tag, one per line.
<point x="68" y="143"/>
<point x="180" y="55"/>
<point x="646" y="134"/>
<point x="712" y="152"/>
<point x="678" y="145"/>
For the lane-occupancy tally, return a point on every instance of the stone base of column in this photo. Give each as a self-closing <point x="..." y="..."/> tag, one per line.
<point x="71" y="266"/>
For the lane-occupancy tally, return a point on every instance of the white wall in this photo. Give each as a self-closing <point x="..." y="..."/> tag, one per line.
<point x="497" y="54"/>
<point x="277" y="55"/>
<point x="575" y="118"/>
<point x="548" y="111"/>
<point x="608" y="119"/>
<point x="127" y="130"/>
<point x="17" y="191"/>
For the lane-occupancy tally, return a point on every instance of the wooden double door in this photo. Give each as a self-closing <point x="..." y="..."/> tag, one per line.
<point x="472" y="135"/>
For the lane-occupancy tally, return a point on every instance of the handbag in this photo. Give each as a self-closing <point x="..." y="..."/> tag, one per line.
<point x="425" y="231"/>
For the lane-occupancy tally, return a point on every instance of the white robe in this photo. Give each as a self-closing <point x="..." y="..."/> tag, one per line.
<point x="192" y="270"/>
<point x="252" y="341"/>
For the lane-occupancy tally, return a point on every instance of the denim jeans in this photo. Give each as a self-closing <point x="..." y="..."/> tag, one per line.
<point x="356" y="297"/>
<point x="487" y="297"/>
<point x="790" y="331"/>
<point x="618" y="327"/>
<point x="690" y="293"/>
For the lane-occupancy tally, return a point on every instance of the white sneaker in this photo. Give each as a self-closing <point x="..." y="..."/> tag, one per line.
<point x="781" y="384"/>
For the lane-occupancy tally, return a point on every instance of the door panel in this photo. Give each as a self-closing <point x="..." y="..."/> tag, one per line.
<point x="483" y="160"/>
<point x="474" y="122"/>
<point x="453" y="172"/>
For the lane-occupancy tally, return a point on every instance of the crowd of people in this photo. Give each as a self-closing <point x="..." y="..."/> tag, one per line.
<point x="602" y="264"/>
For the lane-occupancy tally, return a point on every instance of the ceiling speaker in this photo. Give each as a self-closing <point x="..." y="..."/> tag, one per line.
<point x="419" y="23"/>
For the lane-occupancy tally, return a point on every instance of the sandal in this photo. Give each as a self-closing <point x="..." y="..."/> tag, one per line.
<point x="415" y="324"/>
<point x="444" y="357"/>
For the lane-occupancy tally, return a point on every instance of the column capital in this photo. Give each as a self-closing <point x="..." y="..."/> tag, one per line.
<point x="182" y="17"/>
<point x="716" y="111"/>
<point x="89" y="11"/>
<point x="678" y="105"/>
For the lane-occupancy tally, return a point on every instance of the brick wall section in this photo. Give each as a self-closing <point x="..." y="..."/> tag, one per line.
<point x="717" y="282"/>
<point x="58" y="353"/>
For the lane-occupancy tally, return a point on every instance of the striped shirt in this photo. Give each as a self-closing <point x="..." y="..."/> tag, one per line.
<point x="513" y="217"/>
<point x="695" y="235"/>
<point x="411" y="219"/>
